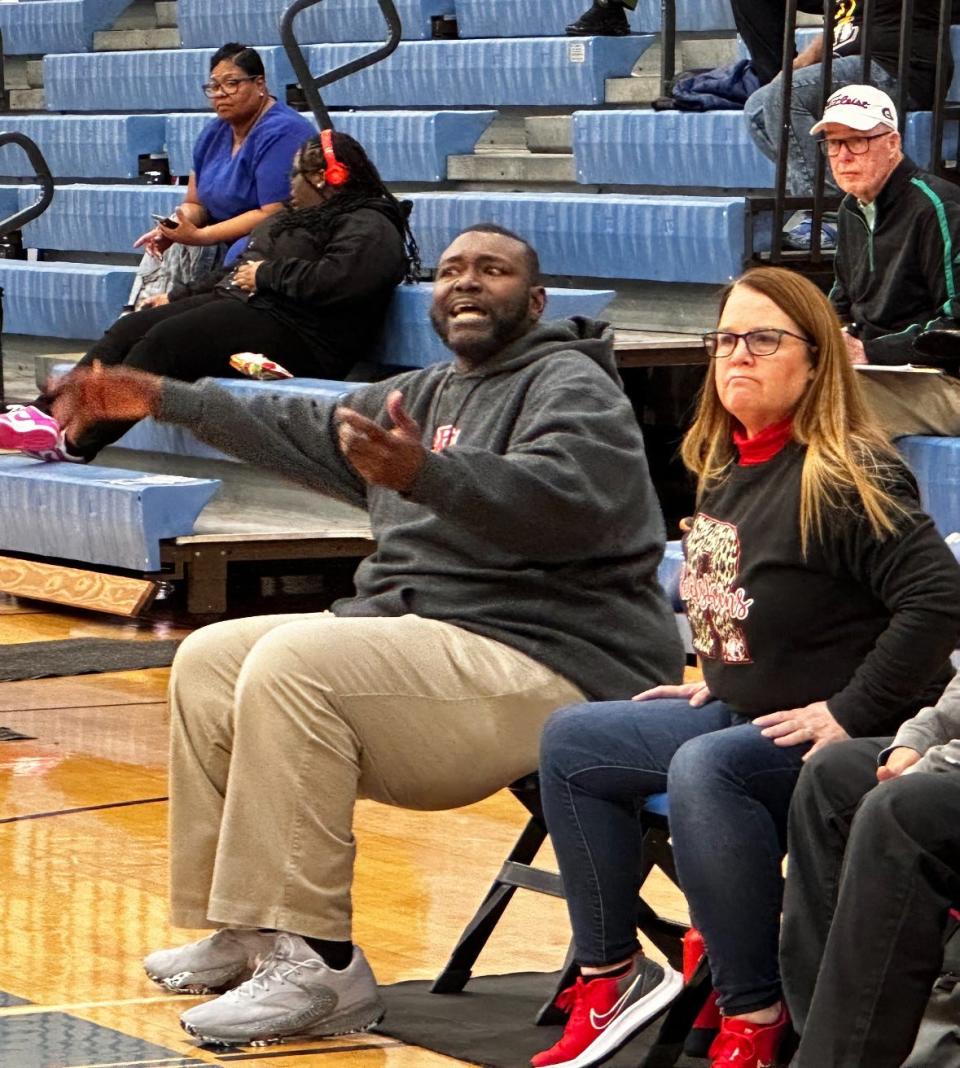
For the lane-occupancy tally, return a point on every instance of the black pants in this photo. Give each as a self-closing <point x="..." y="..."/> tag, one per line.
<point x="761" y="25"/>
<point x="194" y="338"/>
<point x="873" y="871"/>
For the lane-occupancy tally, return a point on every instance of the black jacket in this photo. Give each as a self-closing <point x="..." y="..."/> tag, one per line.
<point x="901" y="278"/>
<point x="332" y="289"/>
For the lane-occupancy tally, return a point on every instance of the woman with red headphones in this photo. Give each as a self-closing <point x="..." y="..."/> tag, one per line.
<point x="310" y="293"/>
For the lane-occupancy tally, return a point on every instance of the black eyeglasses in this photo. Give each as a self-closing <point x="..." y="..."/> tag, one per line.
<point x="830" y="146"/>
<point x="228" y="86"/>
<point x="721" y="343"/>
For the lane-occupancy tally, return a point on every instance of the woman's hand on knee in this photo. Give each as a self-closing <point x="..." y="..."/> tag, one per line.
<point x="695" y="692"/>
<point x="797" y="726"/>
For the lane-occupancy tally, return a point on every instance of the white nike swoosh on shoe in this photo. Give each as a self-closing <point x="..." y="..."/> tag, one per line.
<point x="599" y="1021"/>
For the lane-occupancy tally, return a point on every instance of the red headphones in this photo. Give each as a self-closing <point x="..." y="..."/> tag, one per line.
<point x="335" y="172"/>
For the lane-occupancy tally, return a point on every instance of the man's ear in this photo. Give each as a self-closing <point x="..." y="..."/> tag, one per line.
<point x="538" y="301"/>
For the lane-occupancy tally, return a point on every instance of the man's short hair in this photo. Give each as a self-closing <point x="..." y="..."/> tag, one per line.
<point x="530" y="256"/>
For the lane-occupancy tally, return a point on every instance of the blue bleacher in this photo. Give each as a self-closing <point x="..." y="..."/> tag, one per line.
<point x="202" y="23"/>
<point x="406" y="146"/>
<point x="656" y="238"/>
<point x="530" y="72"/>
<point x="706" y="149"/>
<point x="32" y="29"/>
<point x="158" y="80"/>
<point x="93" y="514"/>
<point x="80" y="146"/>
<point x="535" y="18"/>
<point x="65" y="300"/>
<point x="935" y="463"/>
<point x="534" y="71"/>
<point x="609" y="235"/>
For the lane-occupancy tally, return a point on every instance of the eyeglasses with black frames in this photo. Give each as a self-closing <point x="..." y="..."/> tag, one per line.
<point x="830" y="146"/>
<point x="228" y="86"/>
<point x="720" y="344"/>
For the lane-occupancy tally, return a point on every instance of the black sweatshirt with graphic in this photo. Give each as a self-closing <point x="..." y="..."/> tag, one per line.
<point x="864" y="623"/>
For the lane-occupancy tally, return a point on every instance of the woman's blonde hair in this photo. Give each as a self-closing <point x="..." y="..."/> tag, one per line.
<point x="847" y="454"/>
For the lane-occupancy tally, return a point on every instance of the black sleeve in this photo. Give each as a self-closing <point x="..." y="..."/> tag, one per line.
<point x="364" y="254"/>
<point x="206" y="283"/>
<point x="915" y="576"/>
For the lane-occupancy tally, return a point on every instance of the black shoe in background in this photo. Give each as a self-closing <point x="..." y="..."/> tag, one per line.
<point x="606" y="18"/>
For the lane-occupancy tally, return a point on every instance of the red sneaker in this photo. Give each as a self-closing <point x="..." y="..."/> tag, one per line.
<point x="741" y="1044"/>
<point x="606" y="1013"/>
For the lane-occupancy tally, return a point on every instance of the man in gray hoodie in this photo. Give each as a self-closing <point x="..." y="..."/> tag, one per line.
<point x="873" y="872"/>
<point x="518" y="538"/>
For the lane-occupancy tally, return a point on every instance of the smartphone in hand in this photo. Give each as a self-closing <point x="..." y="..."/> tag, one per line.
<point x="165" y="220"/>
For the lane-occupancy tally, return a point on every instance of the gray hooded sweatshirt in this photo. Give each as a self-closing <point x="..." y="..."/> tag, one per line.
<point x="934" y="732"/>
<point x="533" y="520"/>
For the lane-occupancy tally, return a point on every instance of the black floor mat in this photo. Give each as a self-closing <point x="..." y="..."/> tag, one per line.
<point x="491" y="1022"/>
<point x="81" y="656"/>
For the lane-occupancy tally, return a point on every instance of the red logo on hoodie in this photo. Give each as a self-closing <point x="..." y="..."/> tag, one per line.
<point x="444" y="437"/>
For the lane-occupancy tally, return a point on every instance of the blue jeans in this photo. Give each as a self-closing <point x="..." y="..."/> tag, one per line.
<point x="763" y="114"/>
<point x="729" y="795"/>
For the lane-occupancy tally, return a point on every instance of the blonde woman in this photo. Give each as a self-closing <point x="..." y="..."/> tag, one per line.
<point x="823" y="605"/>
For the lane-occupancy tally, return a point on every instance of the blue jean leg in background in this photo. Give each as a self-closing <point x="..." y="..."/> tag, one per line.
<point x="598" y="762"/>
<point x="729" y="798"/>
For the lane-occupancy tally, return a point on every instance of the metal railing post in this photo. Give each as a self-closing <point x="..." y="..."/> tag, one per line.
<point x="312" y="85"/>
<point x="668" y="45"/>
<point x="786" y="96"/>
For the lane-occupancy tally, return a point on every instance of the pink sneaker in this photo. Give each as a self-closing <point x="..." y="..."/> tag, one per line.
<point x="27" y="429"/>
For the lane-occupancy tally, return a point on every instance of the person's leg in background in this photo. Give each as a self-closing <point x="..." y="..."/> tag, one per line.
<point x="916" y="403"/>
<point x="729" y="798"/>
<point x="265" y="774"/>
<point x="598" y="763"/>
<point x="900" y="877"/>
<point x="604" y="18"/>
<point x="832" y="785"/>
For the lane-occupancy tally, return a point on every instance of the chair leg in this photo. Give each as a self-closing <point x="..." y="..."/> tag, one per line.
<point x="548" y="1014"/>
<point x="679" y="1020"/>
<point x="459" y="967"/>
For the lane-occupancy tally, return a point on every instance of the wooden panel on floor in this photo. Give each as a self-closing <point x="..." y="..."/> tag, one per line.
<point x="144" y="687"/>
<point x="56" y="626"/>
<point x="76" y="587"/>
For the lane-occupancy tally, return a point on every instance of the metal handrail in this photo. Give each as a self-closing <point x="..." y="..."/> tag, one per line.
<point x="312" y="85"/>
<point x="668" y="45"/>
<point x="41" y="174"/>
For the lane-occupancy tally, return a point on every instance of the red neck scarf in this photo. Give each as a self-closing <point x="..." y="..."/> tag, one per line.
<point x="763" y="446"/>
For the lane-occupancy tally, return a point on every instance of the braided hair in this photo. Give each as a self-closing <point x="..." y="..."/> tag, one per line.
<point x="363" y="187"/>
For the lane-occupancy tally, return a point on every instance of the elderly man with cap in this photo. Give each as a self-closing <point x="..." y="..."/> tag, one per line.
<point x="896" y="276"/>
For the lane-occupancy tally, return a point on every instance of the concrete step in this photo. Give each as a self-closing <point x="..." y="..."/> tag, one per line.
<point x="35" y="73"/>
<point x="166" y="13"/>
<point x="512" y="167"/>
<point x="548" y="133"/>
<point x="135" y="40"/>
<point x="15" y="72"/>
<point x="140" y="15"/>
<point x="643" y="85"/>
<point x="26" y="100"/>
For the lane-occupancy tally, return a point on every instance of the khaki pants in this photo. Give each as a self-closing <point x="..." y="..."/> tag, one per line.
<point x="280" y="722"/>
<point x="913" y="403"/>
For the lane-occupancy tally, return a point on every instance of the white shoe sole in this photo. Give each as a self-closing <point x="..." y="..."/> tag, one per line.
<point x="628" y="1023"/>
<point x="335" y="1027"/>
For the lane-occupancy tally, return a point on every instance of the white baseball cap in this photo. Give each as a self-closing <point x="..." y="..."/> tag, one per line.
<point x="861" y="107"/>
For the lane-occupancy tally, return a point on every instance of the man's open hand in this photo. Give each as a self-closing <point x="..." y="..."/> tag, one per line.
<point x="382" y="457"/>
<point x="96" y="394"/>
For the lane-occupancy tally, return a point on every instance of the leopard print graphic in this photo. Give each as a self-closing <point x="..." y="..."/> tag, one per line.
<point x="715" y="609"/>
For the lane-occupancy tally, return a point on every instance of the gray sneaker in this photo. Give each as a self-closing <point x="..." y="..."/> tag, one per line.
<point x="293" y="994"/>
<point x="212" y="965"/>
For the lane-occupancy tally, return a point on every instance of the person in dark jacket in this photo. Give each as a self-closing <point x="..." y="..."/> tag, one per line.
<point x="823" y="605"/>
<point x="518" y="539"/>
<point x="310" y="292"/>
<point x="896" y="275"/>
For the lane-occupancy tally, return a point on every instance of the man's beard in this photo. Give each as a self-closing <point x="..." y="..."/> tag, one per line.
<point x="501" y="327"/>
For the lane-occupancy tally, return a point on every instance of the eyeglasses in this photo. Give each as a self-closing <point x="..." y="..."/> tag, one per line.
<point x="721" y="343"/>
<point x="228" y="86"/>
<point x="830" y="146"/>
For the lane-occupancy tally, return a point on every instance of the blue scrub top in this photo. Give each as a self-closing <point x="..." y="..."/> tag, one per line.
<point x="228" y="185"/>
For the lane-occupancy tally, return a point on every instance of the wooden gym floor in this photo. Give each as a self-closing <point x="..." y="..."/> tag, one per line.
<point x="83" y="858"/>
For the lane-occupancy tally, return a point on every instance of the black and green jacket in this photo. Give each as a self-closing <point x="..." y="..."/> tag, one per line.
<point x="903" y="277"/>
